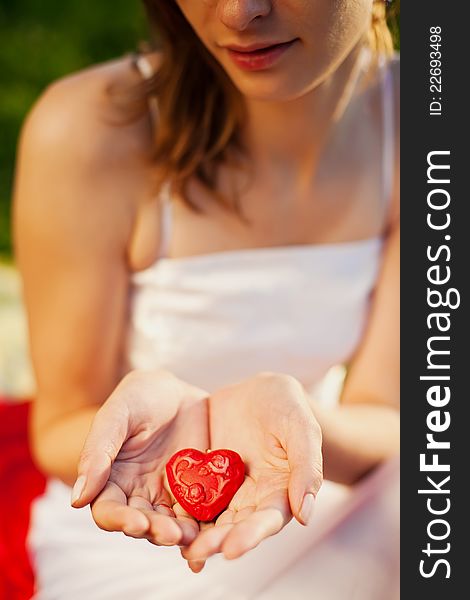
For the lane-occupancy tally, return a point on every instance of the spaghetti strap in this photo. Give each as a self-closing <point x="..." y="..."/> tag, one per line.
<point x="144" y="66"/>
<point x="388" y="132"/>
<point x="147" y="71"/>
<point x="166" y="217"/>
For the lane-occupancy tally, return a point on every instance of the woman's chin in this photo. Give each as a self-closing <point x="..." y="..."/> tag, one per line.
<point x="275" y="85"/>
<point x="268" y="91"/>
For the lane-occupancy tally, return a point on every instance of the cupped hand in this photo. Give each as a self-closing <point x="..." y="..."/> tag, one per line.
<point x="268" y="420"/>
<point x="148" y="417"/>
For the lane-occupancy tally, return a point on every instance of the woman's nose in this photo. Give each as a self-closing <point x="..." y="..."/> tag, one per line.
<point x="238" y="14"/>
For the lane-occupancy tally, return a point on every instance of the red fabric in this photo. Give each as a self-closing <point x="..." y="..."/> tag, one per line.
<point x="20" y="484"/>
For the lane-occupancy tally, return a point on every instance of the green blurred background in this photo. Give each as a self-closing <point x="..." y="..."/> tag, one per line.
<point x="41" y="40"/>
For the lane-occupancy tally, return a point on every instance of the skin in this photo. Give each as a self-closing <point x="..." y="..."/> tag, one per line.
<point x="152" y="414"/>
<point x="85" y="218"/>
<point x="284" y="471"/>
<point x="124" y="456"/>
<point x="325" y="32"/>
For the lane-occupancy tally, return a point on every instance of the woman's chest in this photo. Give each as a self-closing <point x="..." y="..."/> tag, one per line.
<point x="339" y="197"/>
<point x="337" y="207"/>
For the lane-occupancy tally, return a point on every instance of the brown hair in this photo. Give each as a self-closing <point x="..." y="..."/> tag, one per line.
<point x="200" y="109"/>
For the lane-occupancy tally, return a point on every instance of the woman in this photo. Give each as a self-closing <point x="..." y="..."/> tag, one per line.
<point x="207" y="314"/>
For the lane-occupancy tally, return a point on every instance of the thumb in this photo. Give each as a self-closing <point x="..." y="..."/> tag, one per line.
<point x="305" y="462"/>
<point x="108" y="432"/>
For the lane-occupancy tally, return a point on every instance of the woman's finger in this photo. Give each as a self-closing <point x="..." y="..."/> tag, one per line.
<point x="146" y="506"/>
<point x="253" y="526"/>
<point x="113" y="425"/>
<point x="140" y="503"/>
<point x="167" y="527"/>
<point x="163" y="503"/>
<point x="303" y="447"/>
<point x="111" y="513"/>
<point x="197" y="566"/>
<point x="108" y="432"/>
<point x="248" y="533"/>
<point x="189" y="526"/>
<point x="244" y="513"/>
<point x="163" y="530"/>
<point x="207" y="543"/>
<point x="228" y="516"/>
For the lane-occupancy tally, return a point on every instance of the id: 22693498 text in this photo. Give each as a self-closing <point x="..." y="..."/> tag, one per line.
<point x="435" y="71"/>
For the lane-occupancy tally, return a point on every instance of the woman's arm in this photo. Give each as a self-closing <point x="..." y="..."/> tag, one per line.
<point x="364" y="429"/>
<point x="74" y="209"/>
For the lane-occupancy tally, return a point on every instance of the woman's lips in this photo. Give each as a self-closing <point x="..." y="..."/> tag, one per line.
<point x="262" y="58"/>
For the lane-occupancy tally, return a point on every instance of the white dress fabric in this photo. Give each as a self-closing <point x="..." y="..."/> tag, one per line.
<point x="215" y="319"/>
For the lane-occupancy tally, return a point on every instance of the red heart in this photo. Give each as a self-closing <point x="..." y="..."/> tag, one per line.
<point x="204" y="483"/>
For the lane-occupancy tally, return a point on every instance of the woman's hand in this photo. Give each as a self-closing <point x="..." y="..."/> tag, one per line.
<point x="149" y="416"/>
<point x="268" y="421"/>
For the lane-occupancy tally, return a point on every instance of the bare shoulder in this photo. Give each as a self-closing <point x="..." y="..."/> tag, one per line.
<point x="77" y="115"/>
<point x="83" y="157"/>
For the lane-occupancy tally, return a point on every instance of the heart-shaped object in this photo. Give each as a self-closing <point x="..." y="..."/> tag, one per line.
<point x="204" y="483"/>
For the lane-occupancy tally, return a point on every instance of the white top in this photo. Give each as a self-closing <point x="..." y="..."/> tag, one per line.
<point x="213" y="319"/>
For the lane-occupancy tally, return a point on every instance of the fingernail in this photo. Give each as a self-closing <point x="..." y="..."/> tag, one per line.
<point x="307" y="508"/>
<point x="78" y="489"/>
<point x="196" y="566"/>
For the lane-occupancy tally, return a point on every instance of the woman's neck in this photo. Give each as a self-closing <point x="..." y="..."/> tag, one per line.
<point x="291" y="134"/>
